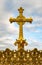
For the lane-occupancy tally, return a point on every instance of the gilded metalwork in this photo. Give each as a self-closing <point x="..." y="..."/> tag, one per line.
<point x="21" y="21"/>
<point x="20" y="56"/>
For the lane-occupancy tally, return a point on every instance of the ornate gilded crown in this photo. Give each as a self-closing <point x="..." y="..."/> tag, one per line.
<point x="20" y="57"/>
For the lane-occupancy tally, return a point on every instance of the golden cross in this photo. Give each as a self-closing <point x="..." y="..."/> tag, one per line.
<point x="20" y="21"/>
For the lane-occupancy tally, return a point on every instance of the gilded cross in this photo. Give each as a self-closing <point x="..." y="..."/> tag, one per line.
<point x="20" y="21"/>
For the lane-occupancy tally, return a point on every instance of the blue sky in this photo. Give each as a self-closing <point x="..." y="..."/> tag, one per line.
<point x="9" y="32"/>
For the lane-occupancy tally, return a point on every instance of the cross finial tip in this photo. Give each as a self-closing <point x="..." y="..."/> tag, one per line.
<point x="20" y="10"/>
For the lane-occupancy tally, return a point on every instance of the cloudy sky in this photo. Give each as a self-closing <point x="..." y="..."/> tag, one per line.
<point x="9" y="32"/>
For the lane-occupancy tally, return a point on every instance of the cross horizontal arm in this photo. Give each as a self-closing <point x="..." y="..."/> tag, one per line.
<point x="12" y="20"/>
<point x="20" y="19"/>
<point x="29" y="20"/>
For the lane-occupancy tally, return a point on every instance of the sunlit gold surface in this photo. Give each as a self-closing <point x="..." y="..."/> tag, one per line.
<point x="20" y="21"/>
<point x="21" y="57"/>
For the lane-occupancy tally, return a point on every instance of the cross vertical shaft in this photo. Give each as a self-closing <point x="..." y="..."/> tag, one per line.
<point x="20" y="31"/>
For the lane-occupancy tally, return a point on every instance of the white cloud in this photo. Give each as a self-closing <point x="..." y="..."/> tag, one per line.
<point x="33" y="44"/>
<point x="2" y="45"/>
<point x="7" y="42"/>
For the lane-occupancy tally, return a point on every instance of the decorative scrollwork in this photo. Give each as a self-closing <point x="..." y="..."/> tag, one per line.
<point x="21" y="57"/>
